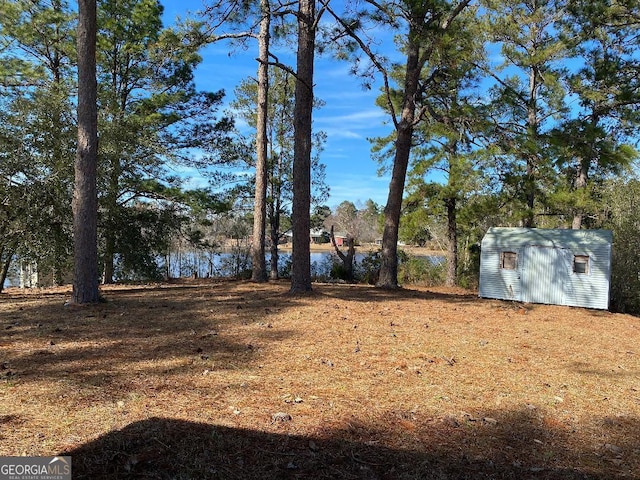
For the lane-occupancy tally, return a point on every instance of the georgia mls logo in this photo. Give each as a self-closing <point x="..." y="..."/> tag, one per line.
<point x="35" y="468"/>
<point x="58" y="466"/>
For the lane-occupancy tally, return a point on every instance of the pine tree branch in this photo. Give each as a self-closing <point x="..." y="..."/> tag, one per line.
<point x="371" y="55"/>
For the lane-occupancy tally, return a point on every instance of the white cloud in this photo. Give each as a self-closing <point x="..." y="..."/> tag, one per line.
<point x="368" y="120"/>
<point x="340" y="133"/>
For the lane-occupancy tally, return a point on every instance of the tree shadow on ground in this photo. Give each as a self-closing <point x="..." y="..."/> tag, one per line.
<point x="368" y="293"/>
<point x="449" y="449"/>
<point x="139" y="327"/>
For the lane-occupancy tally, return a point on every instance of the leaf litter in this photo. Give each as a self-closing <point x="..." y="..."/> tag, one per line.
<point x="191" y="379"/>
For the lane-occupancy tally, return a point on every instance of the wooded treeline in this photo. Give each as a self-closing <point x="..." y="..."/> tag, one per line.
<point x="502" y="112"/>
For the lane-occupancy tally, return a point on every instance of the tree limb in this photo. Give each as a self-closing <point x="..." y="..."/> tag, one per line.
<point x="342" y="256"/>
<point x="371" y="55"/>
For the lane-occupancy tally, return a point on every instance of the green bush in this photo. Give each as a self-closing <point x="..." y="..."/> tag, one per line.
<point x="284" y="266"/>
<point x="421" y="271"/>
<point x="368" y="269"/>
<point x="237" y="264"/>
<point x="338" y="271"/>
<point x="469" y="271"/>
<point x="322" y="271"/>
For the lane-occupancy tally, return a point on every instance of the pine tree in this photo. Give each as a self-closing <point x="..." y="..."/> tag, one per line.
<point x="151" y="117"/>
<point x="302" y="123"/>
<point x="85" y="198"/>
<point x="527" y="95"/>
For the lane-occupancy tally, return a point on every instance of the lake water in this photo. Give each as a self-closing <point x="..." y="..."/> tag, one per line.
<point x="225" y="264"/>
<point x="228" y="264"/>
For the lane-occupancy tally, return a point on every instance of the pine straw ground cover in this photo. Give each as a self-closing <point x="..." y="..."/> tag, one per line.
<point x="243" y="381"/>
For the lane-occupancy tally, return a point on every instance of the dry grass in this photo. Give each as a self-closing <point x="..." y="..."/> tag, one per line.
<point x="240" y="380"/>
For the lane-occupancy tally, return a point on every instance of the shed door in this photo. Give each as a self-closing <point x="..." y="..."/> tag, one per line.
<point x="544" y="275"/>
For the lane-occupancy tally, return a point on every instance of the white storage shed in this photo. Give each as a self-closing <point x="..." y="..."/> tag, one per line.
<point x="559" y="267"/>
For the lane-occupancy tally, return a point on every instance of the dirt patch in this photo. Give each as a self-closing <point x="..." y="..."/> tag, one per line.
<point x="241" y="380"/>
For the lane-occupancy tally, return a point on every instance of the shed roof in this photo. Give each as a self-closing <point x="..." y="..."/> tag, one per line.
<point x="516" y="236"/>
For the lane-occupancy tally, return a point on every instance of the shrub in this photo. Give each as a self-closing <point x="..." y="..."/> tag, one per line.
<point x="421" y="271"/>
<point x="237" y="264"/>
<point x="368" y="269"/>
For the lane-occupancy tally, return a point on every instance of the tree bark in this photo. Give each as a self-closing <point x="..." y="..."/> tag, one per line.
<point x="4" y="266"/>
<point x="259" y="266"/>
<point x="532" y="158"/>
<point x="389" y="257"/>
<point x="274" y="229"/>
<point x="108" y="258"/>
<point x="452" y="236"/>
<point x="301" y="252"/>
<point x="59" y="267"/>
<point x="580" y="184"/>
<point x="530" y="192"/>
<point x="111" y="223"/>
<point x="85" y="200"/>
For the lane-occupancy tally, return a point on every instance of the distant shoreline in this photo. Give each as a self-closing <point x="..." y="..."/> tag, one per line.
<point x="371" y="247"/>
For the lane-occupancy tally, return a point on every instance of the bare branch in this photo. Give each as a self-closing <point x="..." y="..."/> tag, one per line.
<point x="231" y="36"/>
<point x="371" y="55"/>
<point x="286" y="68"/>
<point x="454" y="13"/>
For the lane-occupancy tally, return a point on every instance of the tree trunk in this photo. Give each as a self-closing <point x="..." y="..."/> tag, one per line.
<point x="389" y="257"/>
<point x="4" y="266"/>
<point x="108" y="259"/>
<point x="85" y="200"/>
<point x="301" y="253"/>
<point x="275" y="237"/>
<point x="60" y="163"/>
<point x="532" y="158"/>
<point x="111" y="222"/>
<point x="259" y="268"/>
<point x="452" y="236"/>
<point x="530" y="188"/>
<point x="347" y="260"/>
<point x="580" y="184"/>
<point x="275" y="208"/>
<point x="576" y="224"/>
<point x="274" y="254"/>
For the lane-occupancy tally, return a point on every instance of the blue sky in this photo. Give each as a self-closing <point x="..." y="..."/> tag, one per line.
<point x="348" y="117"/>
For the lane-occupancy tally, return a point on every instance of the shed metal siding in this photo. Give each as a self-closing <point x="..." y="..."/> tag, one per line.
<point x="496" y="282"/>
<point x="544" y="272"/>
<point x="543" y="275"/>
<point x="592" y="289"/>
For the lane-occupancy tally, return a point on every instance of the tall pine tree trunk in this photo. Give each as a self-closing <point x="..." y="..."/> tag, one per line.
<point x="85" y="200"/>
<point x="301" y="252"/>
<point x="274" y="229"/>
<point x="452" y="237"/>
<point x="580" y="184"/>
<point x="582" y="175"/>
<point x="108" y="267"/>
<point x="110" y="227"/>
<point x="259" y="272"/>
<point x="389" y="259"/>
<point x="532" y="158"/>
<point x="530" y="192"/>
<point x="60" y="240"/>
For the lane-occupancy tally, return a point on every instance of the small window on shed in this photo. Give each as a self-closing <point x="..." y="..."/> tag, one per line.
<point x="508" y="260"/>
<point x="581" y="264"/>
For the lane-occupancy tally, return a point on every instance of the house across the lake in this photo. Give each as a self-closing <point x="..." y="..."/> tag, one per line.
<point x="552" y="266"/>
<point x="315" y="236"/>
